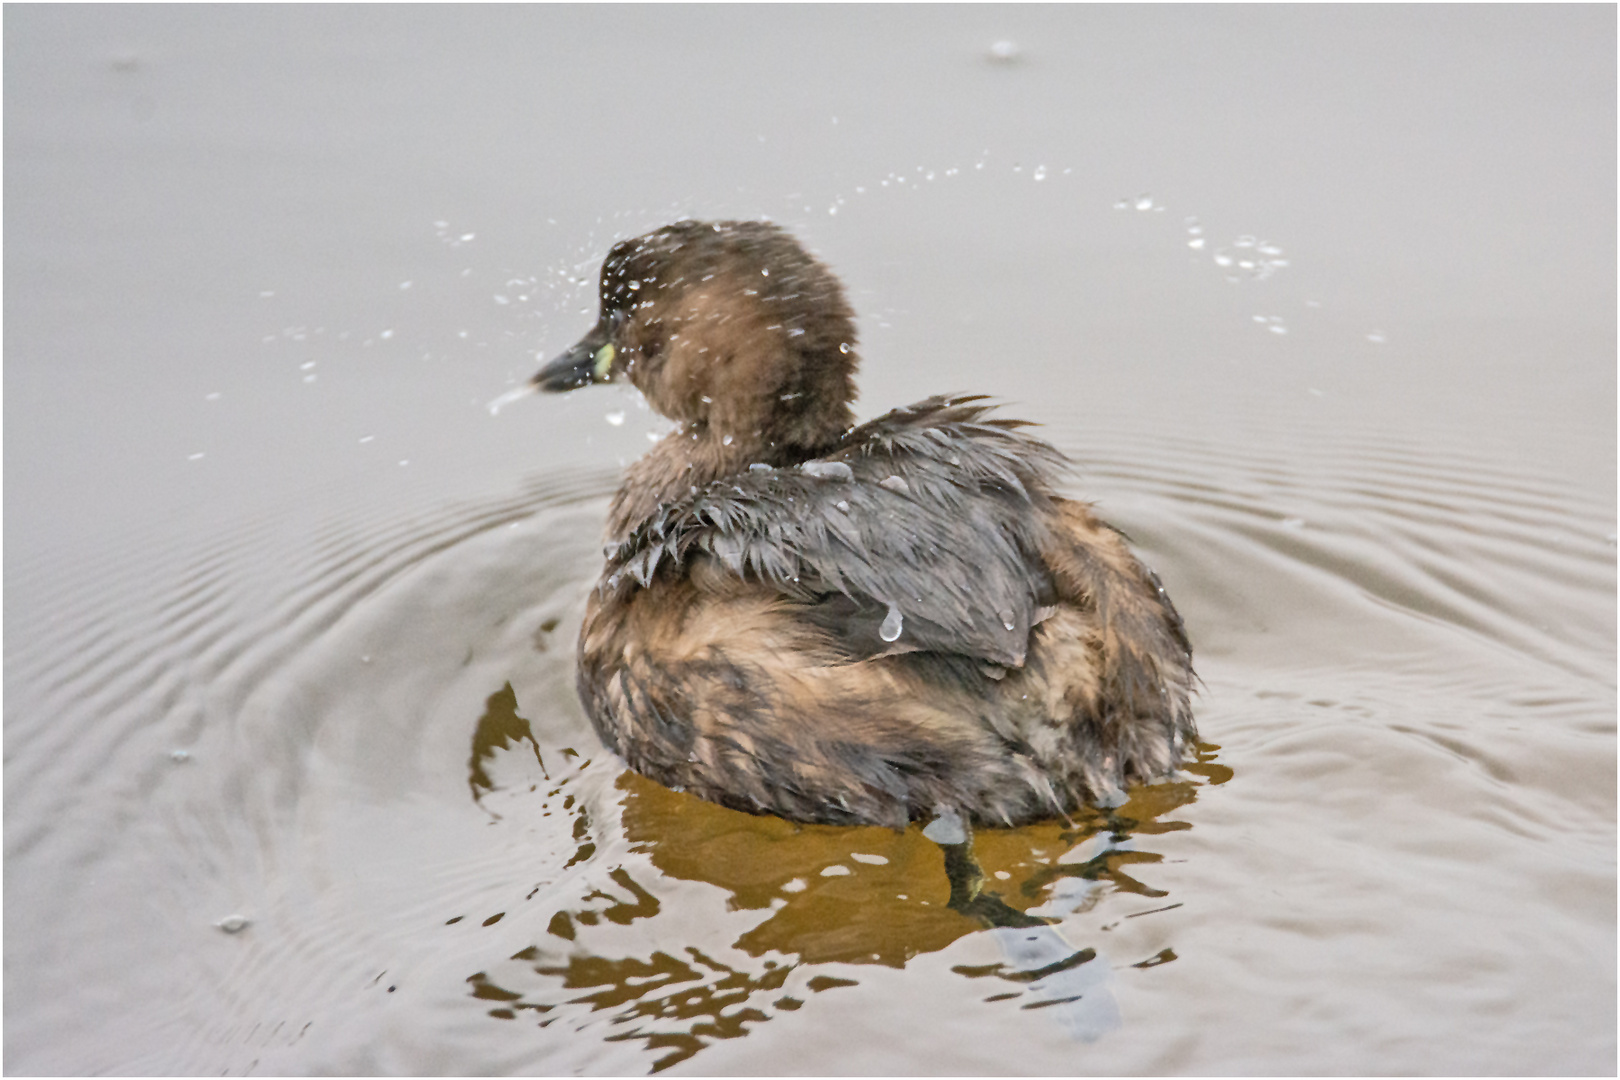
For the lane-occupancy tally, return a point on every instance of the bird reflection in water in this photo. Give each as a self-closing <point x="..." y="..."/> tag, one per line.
<point x="824" y="899"/>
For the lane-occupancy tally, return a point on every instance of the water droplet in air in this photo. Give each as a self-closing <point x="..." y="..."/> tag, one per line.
<point x="726" y="441"/>
<point x="1040" y="172"/>
<point x="616" y="418"/>
<point x="233" y="924"/>
<point x="1006" y="615"/>
<point x="501" y="402"/>
<point x="179" y="757"/>
<point x="1004" y="52"/>
<point x="893" y="623"/>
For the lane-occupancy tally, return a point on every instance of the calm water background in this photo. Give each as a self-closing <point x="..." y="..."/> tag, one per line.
<point x="1321" y="301"/>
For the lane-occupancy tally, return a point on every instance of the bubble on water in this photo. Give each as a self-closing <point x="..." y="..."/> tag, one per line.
<point x="1040" y="172"/>
<point x="198" y="456"/>
<point x="893" y="623"/>
<point x="615" y="418"/>
<point x="215" y="396"/>
<point x="1376" y="337"/>
<point x="404" y="285"/>
<point x="233" y="924"/>
<point x="947" y="828"/>
<point x="1004" y="52"/>
<point x="179" y="757"/>
<point x="1144" y="202"/>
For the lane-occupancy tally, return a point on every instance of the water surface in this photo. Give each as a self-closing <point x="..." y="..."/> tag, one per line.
<point x="1320" y="302"/>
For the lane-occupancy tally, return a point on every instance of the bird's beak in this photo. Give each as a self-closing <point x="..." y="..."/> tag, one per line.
<point x="589" y="361"/>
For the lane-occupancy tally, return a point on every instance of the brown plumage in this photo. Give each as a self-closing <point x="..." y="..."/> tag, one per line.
<point x="850" y="624"/>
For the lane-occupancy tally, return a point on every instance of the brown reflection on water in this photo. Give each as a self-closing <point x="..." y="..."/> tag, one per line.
<point x="500" y="728"/>
<point x="828" y="894"/>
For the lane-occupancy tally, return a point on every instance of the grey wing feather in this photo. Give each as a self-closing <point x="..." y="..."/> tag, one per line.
<point x="952" y="547"/>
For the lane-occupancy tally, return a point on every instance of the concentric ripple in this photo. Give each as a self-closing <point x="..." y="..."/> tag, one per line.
<point x="364" y="744"/>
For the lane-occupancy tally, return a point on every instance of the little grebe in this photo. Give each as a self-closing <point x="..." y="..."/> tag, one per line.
<point x="848" y="624"/>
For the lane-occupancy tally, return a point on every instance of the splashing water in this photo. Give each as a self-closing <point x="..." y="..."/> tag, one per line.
<point x="510" y="396"/>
